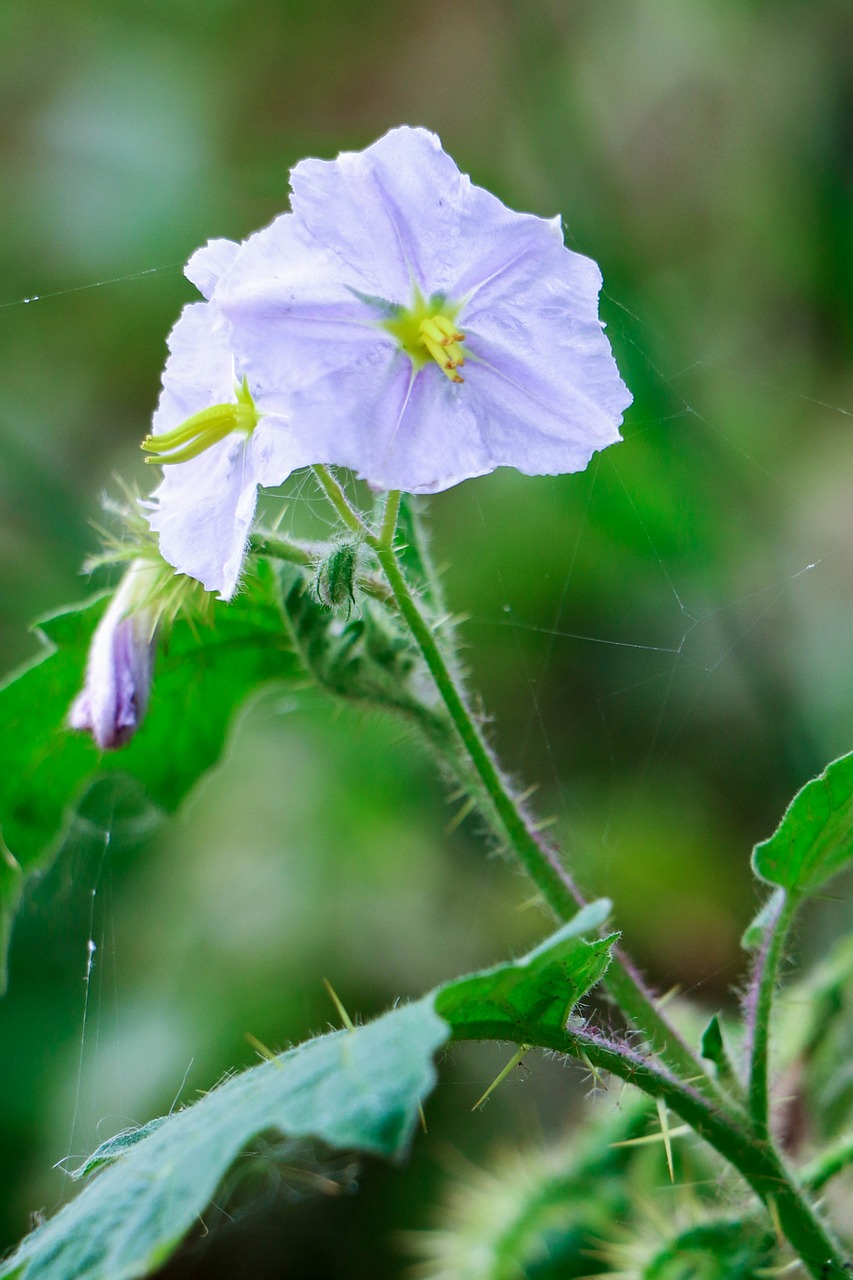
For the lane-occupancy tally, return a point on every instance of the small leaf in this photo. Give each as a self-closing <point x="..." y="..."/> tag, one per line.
<point x="713" y="1048"/>
<point x="353" y="1089"/>
<point x="203" y="674"/>
<point x="814" y="840"/>
<point x="114" y="1147"/>
<point x="712" y="1042"/>
<point x="513" y="1001"/>
<point x="753" y="934"/>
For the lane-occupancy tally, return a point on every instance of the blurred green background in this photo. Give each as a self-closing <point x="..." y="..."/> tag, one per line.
<point x="664" y="641"/>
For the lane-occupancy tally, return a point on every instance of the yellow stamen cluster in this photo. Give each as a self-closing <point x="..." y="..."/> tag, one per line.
<point x="204" y="429"/>
<point x="441" y="339"/>
<point x="427" y="330"/>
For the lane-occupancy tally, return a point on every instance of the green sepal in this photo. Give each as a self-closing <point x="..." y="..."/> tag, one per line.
<point x="368" y="659"/>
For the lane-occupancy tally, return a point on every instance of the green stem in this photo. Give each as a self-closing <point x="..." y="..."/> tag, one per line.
<point x="340" y="502"/>
<point x="389" y="519"/>
<point x="824" y="1167"/>
<point x="538" y="857"/>
<point x="757" y="1161"/>
<point x="273" y="547"/>
<point x="700" y="1107"/>
<point x="759" y="1009"/>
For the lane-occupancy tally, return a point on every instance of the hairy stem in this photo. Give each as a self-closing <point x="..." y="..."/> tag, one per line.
<point x="824" y="1167"/>
<point x="757" y="1160"/>
<point x="759" y="1009"/>
<point x="514" y="825"/>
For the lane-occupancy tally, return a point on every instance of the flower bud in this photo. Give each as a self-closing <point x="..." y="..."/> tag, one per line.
<point x="334" y="581"/>
<point x="114" y="697"/>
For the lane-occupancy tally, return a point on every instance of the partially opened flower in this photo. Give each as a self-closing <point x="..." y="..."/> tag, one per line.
<point x="411" y="327"/>
<point x="114" y="698"/>
<point x="208" y="422"/>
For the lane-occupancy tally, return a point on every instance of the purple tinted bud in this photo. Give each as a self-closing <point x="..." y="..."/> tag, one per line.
<point x="114" y="698"/>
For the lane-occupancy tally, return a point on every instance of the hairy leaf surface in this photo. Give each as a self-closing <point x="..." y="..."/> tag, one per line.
<point x="518" y="1001"/>
<point x="814" y="840"/>
<point x="358" y="1089"/>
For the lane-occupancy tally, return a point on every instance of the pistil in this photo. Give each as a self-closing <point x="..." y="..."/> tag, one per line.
<point x="204" y="429"/>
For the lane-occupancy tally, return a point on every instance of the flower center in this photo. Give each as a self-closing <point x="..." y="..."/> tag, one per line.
<point x="204" y="429"/>
<point x="427" y="330"/>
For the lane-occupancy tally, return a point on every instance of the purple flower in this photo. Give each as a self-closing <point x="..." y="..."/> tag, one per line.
<point x="409" y="326"/>
<point x="208" y="422"/>
<point x="114" y="698"/>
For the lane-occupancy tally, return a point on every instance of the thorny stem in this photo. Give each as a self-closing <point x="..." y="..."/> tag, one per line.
<point x="678" y="1078"/>
<point x="759" y="1008"/>
<point x="758" y="1161"/>
<point x="538" y="857"/>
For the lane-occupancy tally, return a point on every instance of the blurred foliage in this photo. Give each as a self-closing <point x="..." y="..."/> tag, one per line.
<point x="650" y="636"/>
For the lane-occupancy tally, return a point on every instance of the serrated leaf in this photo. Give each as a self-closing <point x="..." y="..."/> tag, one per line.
<point x="537" y="993"/>
<point x="357" y="1090"/>
<point x="814" y="840"/>
<point x="202" y="676"/>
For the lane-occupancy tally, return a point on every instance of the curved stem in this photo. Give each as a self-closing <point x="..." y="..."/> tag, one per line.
<point x="673" y="1077"/>
<point x="339" y="501"/>
<point x="538" y="857"/>
<point x="759" y="1009"/>
<point x="824" y="1167"/>
<point x="758" y="1161"/>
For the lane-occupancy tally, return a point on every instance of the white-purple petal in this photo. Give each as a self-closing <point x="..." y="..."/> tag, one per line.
<point x="203" y="508"/>
<point x="114" y="698"/>
<point x="304" y="299"/>
<point x="209" y="264"/>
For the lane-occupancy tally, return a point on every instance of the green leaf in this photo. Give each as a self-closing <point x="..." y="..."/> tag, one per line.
<point x="713" y="1047"/>
<point x="753" y="934"/>
<point x="114" y="1147"/>
<point x="814" y="840"/>
<point x="202" y="676"/>
<point x="520" y="1000"/>
<point x="741" y="1250"/>
<point x="353" y="1089"/>
<point x="358" y="1089"/>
